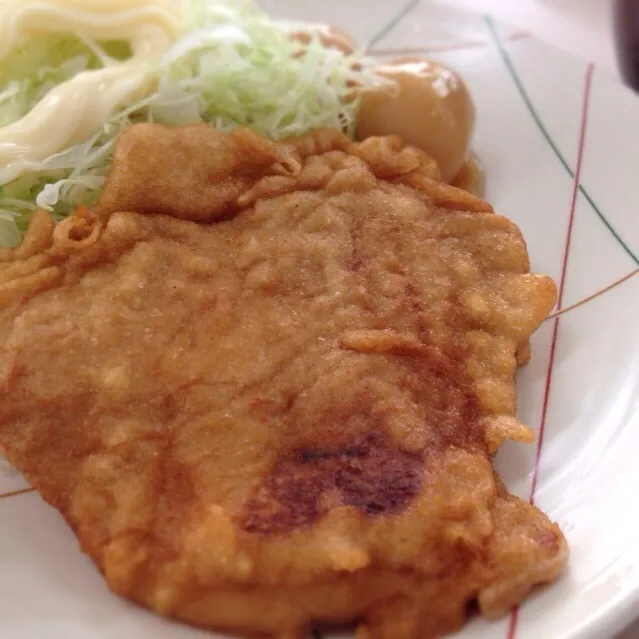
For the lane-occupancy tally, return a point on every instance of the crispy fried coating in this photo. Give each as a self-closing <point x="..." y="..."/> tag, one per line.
<point x="280" y="409"/>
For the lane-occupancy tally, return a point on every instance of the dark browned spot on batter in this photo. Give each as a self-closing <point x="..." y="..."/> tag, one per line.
<point x="365" y="467"/>
<point x="368" y="473"/>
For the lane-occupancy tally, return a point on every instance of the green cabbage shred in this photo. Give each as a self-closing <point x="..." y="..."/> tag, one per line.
<point x="234" y="66"/>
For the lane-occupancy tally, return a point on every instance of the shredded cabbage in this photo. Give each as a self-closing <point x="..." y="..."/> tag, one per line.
<point x="234" y="66"/>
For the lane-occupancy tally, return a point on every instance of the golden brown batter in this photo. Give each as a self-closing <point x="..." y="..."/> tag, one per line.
<point x="283" y="412"/>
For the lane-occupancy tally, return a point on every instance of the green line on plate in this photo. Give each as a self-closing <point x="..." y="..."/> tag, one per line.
<point x="382" y="33"/>
<point x="533" y="112"/>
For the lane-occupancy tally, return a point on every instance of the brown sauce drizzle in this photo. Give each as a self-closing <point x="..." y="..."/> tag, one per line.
<point x="472" y="177"/>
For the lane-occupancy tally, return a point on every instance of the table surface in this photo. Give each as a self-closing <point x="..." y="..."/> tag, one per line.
<point x="582" y="27"/>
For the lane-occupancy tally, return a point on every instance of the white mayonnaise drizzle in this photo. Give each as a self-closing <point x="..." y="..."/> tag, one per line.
<point x="75" y="110"/>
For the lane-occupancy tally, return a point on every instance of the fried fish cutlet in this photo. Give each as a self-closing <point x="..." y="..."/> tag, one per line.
<point x="284" y="412"/>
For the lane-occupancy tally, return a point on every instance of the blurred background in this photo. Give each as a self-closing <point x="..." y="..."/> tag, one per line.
<point x="583" y="27"/>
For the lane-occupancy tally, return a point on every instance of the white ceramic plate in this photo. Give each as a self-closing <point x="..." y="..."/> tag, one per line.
<point x="559" y="141"/>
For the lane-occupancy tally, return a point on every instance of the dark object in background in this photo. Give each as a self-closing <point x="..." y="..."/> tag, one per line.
<point x="627" y="40"/>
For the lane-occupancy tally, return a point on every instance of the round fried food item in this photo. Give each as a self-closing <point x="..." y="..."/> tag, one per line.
<point x="431" y="109"/>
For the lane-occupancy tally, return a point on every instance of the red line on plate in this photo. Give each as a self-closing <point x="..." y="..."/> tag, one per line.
<point x="564" y="272"/>
<point x="452" y="46"/>
<point x="15" y="493"/>
<point x="514" y="617"/>
<point x="512" y="624"/>
<point x="593" y="296"/>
